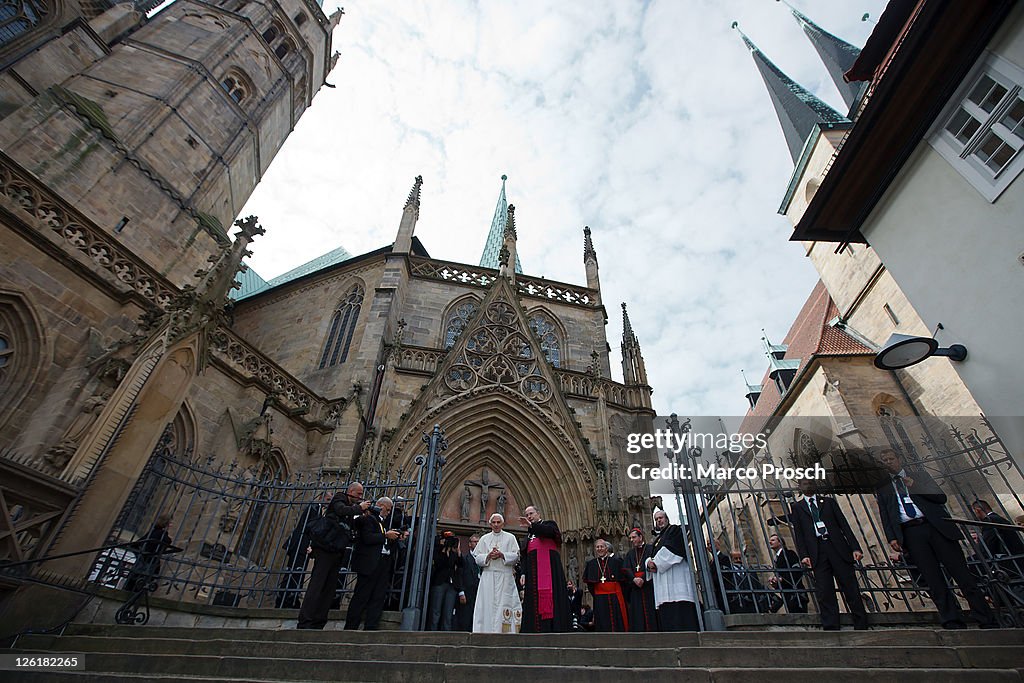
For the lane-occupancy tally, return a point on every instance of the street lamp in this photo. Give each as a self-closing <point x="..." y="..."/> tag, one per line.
<point x="904" y="350"/>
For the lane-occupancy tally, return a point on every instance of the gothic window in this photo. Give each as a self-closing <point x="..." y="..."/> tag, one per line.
<point x="457" y="320"/>
<point x="263" y="515"/>
<point x="300" y="19"/>
<point x="545" y="330"/>
<point x="5" y="355"/>
<point x="283" y="49"/>
<point x="20" y="345"/>
<point x="236" y="84"/>
<point x="271" y="34"/>
<point x="343" y="326"/>
<point x="895" y="433"/>
<point x="18" y="17"/>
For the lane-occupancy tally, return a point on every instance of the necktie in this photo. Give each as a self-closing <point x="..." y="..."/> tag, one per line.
<point x="815" y="515"/>
<point x="908" y="507"/>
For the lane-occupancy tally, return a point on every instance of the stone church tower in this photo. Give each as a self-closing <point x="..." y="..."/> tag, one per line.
<point x="128" y="145"/>
<point x="127" y="148"/>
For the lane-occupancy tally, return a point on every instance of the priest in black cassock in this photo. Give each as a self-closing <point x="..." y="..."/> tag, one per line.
<point x="637" y="587"/>
<point x="602" y="576"/>
<point x="675" y="591"/>
<point x="545" y="602"/>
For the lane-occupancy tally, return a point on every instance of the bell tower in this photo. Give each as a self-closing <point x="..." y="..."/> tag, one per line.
<point x="161" y="128"/>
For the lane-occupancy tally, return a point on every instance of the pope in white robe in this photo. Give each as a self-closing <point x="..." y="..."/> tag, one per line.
<point x="498" y="609"/>
<point x="675" y="591"/>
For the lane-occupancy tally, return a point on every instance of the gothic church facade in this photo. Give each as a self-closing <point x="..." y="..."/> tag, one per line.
<point x="128" y="146"/>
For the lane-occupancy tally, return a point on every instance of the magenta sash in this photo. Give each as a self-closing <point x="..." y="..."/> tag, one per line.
<point x="545" y="594"/>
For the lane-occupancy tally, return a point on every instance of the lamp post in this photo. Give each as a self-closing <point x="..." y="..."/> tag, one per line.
<point x="686" y="491"/>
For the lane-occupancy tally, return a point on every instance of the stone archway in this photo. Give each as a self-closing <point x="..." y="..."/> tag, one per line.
<point x="534" y="457"/>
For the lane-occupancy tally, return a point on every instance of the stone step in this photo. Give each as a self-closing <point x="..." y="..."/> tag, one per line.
<point x="463" y="673"/>
<point x="894" y="637"/>
<point x="739" y="656"/>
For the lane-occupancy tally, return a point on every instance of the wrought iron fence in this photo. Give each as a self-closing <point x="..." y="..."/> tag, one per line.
<point x="739" y="516"/>
<point x="240" y="530"/>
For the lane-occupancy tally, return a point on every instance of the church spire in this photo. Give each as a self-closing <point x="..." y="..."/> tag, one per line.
<point x="496" y="235"/>
<point x="633" y="369"/>
<point x="837" y="55"/>
<point x="590" y="260"/>
<point x="410" y="214"/>
<point x="798" y="110"/>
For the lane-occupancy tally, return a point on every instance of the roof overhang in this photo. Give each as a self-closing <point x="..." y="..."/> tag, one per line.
<point x="918" y="55"/>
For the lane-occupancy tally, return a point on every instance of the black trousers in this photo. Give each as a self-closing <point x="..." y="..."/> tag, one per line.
<point x="678" y="616"/>
<point x="832" y="567"/>
<point x="928" y="549"/>
<point x="368" y="599"/>
<point x="323" y="581"/>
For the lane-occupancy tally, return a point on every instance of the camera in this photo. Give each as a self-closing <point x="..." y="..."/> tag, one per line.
<point x="449" y="540"/>
<point x="375" y="509"/>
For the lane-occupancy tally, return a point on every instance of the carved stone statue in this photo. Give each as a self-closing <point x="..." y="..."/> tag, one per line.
<point x="500" y="506"/>
<point x="464" y="512"/>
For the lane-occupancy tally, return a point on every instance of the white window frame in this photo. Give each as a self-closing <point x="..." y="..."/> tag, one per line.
<point x="960" y="155"/>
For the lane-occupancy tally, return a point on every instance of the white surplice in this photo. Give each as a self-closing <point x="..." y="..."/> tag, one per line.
<point x="498" y="609"/>
<point x="674" y="580"/>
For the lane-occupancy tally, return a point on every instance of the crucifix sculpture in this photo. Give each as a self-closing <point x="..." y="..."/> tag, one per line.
<point x="485" y="487"/>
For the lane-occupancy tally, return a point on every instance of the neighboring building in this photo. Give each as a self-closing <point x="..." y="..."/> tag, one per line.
<point x="127" y="148"/>
<point x="928" y="175"/>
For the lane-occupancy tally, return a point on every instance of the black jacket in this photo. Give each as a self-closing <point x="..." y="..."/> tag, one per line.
<point x="839" y="532"/>
<point x="368" y="557"/>
<point x="927" y="497"/>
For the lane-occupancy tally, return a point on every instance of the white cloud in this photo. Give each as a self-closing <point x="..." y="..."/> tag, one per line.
<point x="646" y="121"/>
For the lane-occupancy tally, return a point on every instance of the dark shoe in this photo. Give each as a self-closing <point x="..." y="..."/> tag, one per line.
<point x="990" y="624"/>
<point x="830" y="628"/>
<point x="954" y="625"/>
<point x="862" y="627"/>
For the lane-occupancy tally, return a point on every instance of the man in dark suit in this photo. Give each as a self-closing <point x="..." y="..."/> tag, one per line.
<point x="323" y="581"/>
<point x="1000" y="543"/>
<point x="915" y="521"/>
<point x="789" y="575"/>
<point x="826" y="545"/>
<point x="721" y="565"/>
<point x="470" y="583"/>
<point x="372" y="561"/>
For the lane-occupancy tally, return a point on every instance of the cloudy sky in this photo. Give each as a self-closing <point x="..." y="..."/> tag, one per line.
<point x="647" y="121"/>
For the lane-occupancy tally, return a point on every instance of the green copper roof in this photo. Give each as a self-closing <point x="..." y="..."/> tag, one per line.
<point x="797" y="108"/>
<point x="253" y="283"/>
<point x="496" y="236"/>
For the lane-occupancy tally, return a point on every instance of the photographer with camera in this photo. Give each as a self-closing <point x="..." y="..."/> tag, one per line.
<point x="345" y="506"/>
<point x="445" y="581"/>
<point x="373" y="563"/>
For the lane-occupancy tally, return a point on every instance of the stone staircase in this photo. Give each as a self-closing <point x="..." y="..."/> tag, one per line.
<point x="164" y="653"/>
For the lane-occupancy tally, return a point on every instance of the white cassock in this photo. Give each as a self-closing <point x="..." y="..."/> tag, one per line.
<point x="498" y="609"/>
<point x="673" y="581"/>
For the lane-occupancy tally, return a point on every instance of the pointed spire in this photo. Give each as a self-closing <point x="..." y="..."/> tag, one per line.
<point x="634" y="371"/>
<point x="798" y="110"/>
<point x="414" y="193"/>
<point x="590" y="262"/>
<point x="628" y="336"/>
<point x="508" y="253"/>
<point x="496" y="235"/>
<point x="837" y="55"/>
<point x="588" y="246"/>
<point x="410" y="214"/>
<point x="510" y="223"/>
